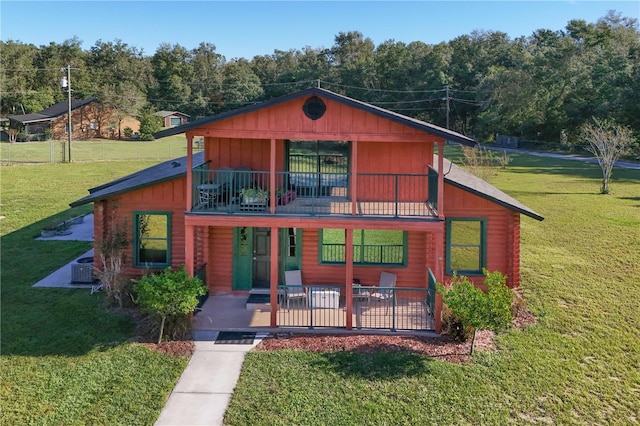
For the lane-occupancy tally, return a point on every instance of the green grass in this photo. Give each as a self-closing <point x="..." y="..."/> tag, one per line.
<point x="94" y="150"/>
<point x="580" y="364"/>
<point x="65" y="359"/>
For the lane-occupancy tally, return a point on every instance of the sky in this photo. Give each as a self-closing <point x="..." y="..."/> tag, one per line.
<point x="249" y="28"/>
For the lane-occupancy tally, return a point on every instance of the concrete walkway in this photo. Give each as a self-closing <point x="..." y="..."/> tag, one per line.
<point x="206" y="385"/>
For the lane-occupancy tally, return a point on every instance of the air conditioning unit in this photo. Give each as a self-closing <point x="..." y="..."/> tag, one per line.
<point x="82" y="273"/>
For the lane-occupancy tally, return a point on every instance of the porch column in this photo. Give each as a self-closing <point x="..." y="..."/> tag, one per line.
<point x="354" y="178"/>
<point x="348" y="285"/>
<point x="273" y="279"/>
<point x="441" y="179"/>
<point x="439" y="273"/>
<point x="272" y="178"/>
<point x="189" y="248"/>
<point x="189" y="191"/>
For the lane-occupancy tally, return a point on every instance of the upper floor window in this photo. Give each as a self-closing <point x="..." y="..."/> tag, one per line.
<point x="370" y="247"/>
<point x="466" y="246"/>
<point x="152" y="239"/>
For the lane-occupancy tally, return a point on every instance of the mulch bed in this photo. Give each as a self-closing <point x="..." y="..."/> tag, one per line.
<point x="444" y="347"/>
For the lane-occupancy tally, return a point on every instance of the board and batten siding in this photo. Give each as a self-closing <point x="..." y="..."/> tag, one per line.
<point x="502" y="230"/>
<point x="288" y="121"/>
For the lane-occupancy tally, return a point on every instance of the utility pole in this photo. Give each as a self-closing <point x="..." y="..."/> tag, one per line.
<point x="448" y="104"/>
<point x="66" y="83"/>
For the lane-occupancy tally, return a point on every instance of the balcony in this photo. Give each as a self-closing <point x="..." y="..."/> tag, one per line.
<point x="225" y="191"/>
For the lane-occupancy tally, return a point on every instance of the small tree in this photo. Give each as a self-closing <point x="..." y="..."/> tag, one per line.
<point x="607" y="141"/>
<point x="170" y="293"/>
<point x="149" y="124"/>
<point x="477" y="309"/>
<point x="480" y="162"/>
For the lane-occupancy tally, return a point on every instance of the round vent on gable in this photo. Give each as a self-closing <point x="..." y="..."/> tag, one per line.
<point x="314" y="108"/>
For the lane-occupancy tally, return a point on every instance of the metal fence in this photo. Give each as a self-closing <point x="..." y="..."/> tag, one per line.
<point x="93" y="150"/>
<point x="373" y="308"/>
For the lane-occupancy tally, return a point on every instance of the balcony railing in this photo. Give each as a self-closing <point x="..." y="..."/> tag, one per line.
<point x="325" y="306"/>
<point x="315" y="193"/>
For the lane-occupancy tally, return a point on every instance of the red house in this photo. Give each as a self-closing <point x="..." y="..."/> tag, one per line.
<point x="286" y="184"/>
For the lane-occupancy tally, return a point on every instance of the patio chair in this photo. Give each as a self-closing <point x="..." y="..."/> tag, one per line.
<point x="293" y="287"/>
<point x="217" y="191"/>
<point x="360" y="294"/>
<point x="386" y="284"/>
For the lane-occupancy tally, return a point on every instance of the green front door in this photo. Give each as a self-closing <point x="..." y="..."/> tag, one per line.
<point x="242" y="258"/>
<point x="252" y="256"/>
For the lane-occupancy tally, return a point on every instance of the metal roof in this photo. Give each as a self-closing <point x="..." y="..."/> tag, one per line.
<point x="162" y="172"/>
<point x="323" y="93"/>
<point x="457" y="176"/>
<point x="53" y="112"/>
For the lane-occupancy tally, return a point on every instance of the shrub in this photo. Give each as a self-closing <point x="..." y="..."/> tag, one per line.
<point x="128" y="131"/>
<point x="472" y="308"/>
<point x="169" y="295"/>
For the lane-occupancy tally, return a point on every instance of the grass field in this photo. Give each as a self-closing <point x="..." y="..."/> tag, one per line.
<point x="65" y="360"/>
<point x="93" y="150"/>
<point x="580" y="364"/>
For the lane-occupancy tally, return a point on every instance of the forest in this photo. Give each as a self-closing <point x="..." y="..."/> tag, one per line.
<point x="542" y="87"/>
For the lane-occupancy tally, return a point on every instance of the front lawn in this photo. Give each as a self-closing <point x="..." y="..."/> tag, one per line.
<point x="579" y="365"/>
<point x="65" y="359"/>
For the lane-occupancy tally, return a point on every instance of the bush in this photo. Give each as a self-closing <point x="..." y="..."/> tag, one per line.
<point x="169" y="295"/>
<point x="128" y="131"/>
<point x="471" y="308"/>
<point x="454" y="326"/>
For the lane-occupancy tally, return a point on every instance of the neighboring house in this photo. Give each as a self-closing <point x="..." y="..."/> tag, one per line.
<point x="336" y="169"/>
<point x="88" y="120"/>
<point x="172" y="118"/>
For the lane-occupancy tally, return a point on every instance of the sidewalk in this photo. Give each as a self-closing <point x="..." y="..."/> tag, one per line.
<point x="206" y="385"/>
<point x="62" y="277"/>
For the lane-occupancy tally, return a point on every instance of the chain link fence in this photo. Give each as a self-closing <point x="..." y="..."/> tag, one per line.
<point x="94" y="150"/>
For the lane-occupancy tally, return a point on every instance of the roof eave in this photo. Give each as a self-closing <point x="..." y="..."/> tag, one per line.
<point x="525" y="212"/>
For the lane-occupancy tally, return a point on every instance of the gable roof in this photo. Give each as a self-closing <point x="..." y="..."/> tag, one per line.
<point x="323" y="93"/>
<point x="53" y="112"/>
<point x="458" y="177"/>
<point x="162" y="172"/>
<point x="164" y="113"/>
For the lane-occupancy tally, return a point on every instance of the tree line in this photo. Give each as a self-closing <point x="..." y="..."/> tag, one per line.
<point x="541" y="87"/>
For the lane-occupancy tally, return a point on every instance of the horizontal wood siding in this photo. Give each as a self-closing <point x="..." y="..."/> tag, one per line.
<point x="163" y="197"/>
<point x="501" y="242"/>
<point x="220" y="262"/>
<point x="414" y="275"/>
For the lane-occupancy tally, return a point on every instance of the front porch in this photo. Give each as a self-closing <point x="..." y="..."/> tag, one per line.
<point x="408" y="310"/>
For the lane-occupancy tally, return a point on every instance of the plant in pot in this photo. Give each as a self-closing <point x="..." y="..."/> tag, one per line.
<point x="254" y="195"/>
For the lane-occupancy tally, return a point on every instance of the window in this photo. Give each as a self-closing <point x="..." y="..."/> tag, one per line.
<point x="152" y="239"/>
<point x="466" y="246"/>
<point x="370" y="247"/>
